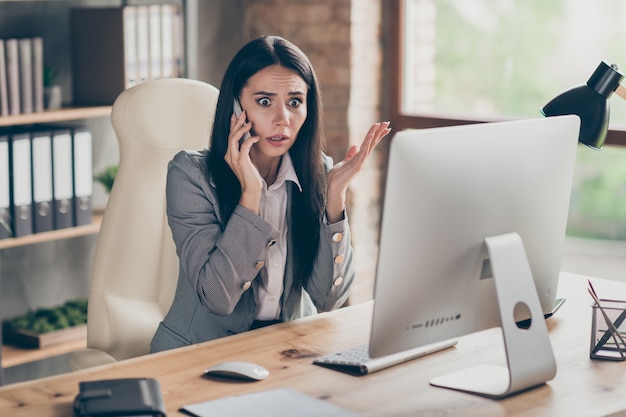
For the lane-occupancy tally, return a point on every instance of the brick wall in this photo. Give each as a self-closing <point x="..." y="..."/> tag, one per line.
<point x="364" y="109"/>
<point x="342" y="38"/>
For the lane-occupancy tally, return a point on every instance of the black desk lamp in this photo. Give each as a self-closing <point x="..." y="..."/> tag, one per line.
<point x="591" y="103"/>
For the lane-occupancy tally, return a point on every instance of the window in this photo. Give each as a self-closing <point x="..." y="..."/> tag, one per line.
<point x="467" y="61"/>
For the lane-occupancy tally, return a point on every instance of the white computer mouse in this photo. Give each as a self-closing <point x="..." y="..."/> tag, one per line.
<point x="247" y="371"/>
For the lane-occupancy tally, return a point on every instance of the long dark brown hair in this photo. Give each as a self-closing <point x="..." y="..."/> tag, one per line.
<point x="306" y="153"/>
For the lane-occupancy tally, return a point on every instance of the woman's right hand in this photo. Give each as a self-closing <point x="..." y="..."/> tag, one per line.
<point x="238" y="159"/>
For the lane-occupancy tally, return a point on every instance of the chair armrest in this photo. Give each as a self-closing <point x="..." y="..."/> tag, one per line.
<point x="88" y="358"/>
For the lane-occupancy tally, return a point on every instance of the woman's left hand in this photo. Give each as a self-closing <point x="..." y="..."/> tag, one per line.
<point x="341" y="175"/>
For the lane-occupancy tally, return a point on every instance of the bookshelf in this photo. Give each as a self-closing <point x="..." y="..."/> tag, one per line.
<point x="38" y="269"/>
<point x="12" y="355"/>
<point x="54" y="116"/>
<point x="26" y="259"/>
<point x="15" y="355"/>
<point x="66" y="233"/>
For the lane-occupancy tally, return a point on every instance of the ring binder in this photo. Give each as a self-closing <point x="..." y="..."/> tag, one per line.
<point x="83" y="175"/>
<point x="62" y="178"/>
<point x="42" y="181"/>
<point x="6" y="229"/>
<point x="21" y="184"/>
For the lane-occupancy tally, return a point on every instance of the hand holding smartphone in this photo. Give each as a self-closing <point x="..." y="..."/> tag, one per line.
<point x="237" y="111"/>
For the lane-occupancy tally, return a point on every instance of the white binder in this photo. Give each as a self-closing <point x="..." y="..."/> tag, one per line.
<point x="4" y="88"/>
<point x="21" y="185"/>
<point x="169" y="68"/>
<point x="154" y="41"/>
<point x="37" y="73"/>
<point x="42" y="181"/>
<point x="83" y="176"/>
<point x="143" y="43"/>
<point x="130" y="45"/>
<point x="6" y="229"/>
<point x="25" y="53"/>
<point x="13" y="75"/>
<point x="62" y="178"/>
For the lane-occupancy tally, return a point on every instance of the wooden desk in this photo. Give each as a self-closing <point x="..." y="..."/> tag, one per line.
<point x="581" y="387"/>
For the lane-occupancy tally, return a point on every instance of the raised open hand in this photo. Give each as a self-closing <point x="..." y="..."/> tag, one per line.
<point x="341" y="175"/>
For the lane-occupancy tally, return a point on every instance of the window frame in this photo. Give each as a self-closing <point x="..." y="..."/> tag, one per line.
<point x="401" y="121"/>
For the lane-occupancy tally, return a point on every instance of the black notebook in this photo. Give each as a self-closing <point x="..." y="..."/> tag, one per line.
<point x="119" y="397"/>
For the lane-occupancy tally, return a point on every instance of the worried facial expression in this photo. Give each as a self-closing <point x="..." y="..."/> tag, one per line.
<point x="274" y="100"/>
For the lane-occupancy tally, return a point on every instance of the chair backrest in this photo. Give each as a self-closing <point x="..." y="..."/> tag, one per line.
<point x="135" y="267"/>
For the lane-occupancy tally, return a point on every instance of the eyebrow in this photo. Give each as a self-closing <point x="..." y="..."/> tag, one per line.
<point x="267" y="93"/>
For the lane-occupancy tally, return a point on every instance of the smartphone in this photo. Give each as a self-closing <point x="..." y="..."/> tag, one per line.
<point x="237" y="110"/>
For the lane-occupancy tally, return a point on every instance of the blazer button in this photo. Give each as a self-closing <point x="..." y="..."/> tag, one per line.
<point x="271" y="243"/>
<point x="259" y="264"/>
<point x="246" y="285"/>
<point x="338" y="281"/>
<point x="337" y="237"/>
<point x="338" y="259"/>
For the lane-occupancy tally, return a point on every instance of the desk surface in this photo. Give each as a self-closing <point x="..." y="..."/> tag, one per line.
<point x="581" y="386"/>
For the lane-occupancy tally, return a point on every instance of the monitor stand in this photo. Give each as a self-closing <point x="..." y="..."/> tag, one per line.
<point x="529" y="352"/>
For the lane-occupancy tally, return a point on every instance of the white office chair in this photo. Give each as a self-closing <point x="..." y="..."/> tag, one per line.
<point x="135" y="266"/>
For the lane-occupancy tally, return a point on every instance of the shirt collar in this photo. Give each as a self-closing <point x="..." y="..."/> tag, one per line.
<point x="286" y="172"/>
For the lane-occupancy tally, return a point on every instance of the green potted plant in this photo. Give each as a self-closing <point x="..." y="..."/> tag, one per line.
<point x="106" y="177"/>
<point x="52" y="93"/>
<point x="47" y="326"/>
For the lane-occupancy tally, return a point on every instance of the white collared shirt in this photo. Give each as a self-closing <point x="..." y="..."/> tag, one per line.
<point x="273" y="209"/>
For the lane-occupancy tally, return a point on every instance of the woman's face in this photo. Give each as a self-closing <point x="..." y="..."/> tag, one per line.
<point x="274" y="100"/>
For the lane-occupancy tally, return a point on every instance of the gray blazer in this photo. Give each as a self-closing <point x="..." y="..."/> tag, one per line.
<point x="219" y="266"/>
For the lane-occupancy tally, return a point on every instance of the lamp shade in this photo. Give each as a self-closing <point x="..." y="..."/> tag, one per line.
<point x="590" y="102"/>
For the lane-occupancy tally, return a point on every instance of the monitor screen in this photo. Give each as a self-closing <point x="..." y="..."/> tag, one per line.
<point x="447" y="190"/>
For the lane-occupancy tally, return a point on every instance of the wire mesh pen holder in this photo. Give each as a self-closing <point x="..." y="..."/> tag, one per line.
<point x="608" y="330"/>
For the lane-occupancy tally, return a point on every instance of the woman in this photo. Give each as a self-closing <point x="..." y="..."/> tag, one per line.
<point x="259" y="220"/>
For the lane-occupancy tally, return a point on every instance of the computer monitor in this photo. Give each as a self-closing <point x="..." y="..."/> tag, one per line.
<point x="467" y="207"/>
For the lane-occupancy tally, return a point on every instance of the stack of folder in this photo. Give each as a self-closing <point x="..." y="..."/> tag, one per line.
<point x="46" y="179"/>
<point x="115" y="48"/>
<point x="21" y="76"/>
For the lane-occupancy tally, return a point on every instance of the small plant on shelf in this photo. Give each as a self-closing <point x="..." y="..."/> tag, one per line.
<point x="53" y="94"/>
<point x="106" y="177"/>
<point x="43" y="320"/>
<point x="47" y="326"/>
